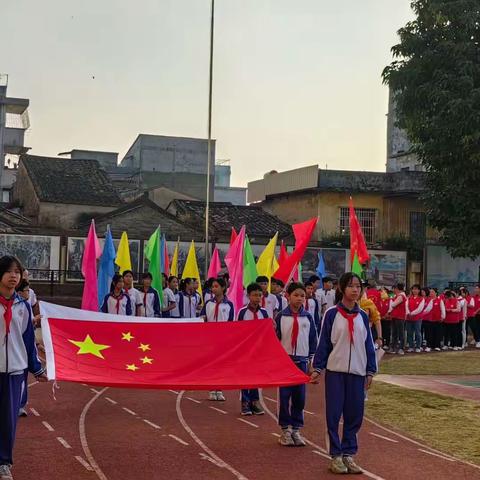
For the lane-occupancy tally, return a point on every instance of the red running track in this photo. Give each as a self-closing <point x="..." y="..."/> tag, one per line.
<point x="110" y="434"/>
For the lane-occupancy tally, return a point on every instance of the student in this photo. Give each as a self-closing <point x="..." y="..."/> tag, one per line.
<point x="347" y="355"/>
<point x="196" y="287"/>
<point x="188" y="300"/>
<point x="326" y="295"/>
<point x="278" y="287"/>
<point x="374" y="318"/>
<point x="173" y="293"/>
<point x="117" y="301"/>
<point x="415" y="307"/>
<point x="386" y="320"/>
<point x="150" y="297"/>
<point x="298" y="336"/>
<point x="207" y="290"/>
<point x="373" y="293"/>
<point x="311" y="305"/>
<point x="169" y="302"/>
<point x="398" y="313"/>
<point x="464" y="298"/>
<point x="252" y="311"/>
<point x="17" y="353"/>
<point x="32" y="299"/>
<point x="475" y="309"/>
<point x="269" y="301"/>
<point x="133" y="294"/>
<point x="433" y="317"/>
<point x="453" y="333"/>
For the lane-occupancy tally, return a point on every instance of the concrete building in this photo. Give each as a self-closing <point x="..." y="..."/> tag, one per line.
<point x="224" y="192"/>
<point x="107" y="160"/>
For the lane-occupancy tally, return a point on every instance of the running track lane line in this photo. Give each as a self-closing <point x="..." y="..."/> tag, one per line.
<point x="83" y="436"/>
<point x="204" y="447"/>
<point x="314" y="445"/>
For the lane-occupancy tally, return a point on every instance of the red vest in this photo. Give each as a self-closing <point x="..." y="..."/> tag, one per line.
<point x="452" y="317"/>
<point x="476" y="307"/>
<point x="384" y="306"/>
<point x="436" y="313"/>
<point x="375" y="296"/>
<point x="400" y="311"/>
<point x="413" y="304"/>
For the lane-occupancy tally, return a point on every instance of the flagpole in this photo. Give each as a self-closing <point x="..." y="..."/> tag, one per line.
<point x="209" y="141"/>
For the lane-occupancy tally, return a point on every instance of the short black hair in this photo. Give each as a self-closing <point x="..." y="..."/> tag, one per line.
<point x="254" y="287"/>
<point x="126" y="272"/>
<point x="314" y="278"/>
<point x="309" y="284"/>
<point x="147" y="275"/>
<point x="221" y="282"/>
<point x="278" y="282"/>
<point x="116" y="278"/>
<point x="262" y="279"/>
<point x="416" y="285"/>
<point x="426" y="290"/>
<point x="6" y="263"/>
<point x="346" y="279"/>
<point x="295" y="286"/>
<point x="327" y="279"/>
<point x="399" y="286"/>
<point x="172" y="277"/>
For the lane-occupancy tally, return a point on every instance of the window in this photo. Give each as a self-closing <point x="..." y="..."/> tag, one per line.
<point x="5" y="196"/>
<point x="418" y="225"/>
<point x="367" y="218"/>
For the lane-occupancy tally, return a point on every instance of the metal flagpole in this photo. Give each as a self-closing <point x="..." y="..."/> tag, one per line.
<point x="209" y="142"/>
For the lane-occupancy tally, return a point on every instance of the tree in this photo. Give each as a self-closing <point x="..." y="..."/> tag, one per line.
<point x="435" y="78"/>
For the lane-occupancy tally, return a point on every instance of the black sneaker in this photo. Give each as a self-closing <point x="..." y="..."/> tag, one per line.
<point x="246" y="410"/>
<point x="257" y="408"/>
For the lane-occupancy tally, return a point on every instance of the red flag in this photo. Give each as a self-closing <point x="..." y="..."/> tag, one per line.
<point x="166" y="260"/>
<point x="138" y="354"/>
<point x="283" y="254"/>
<point x="303" y="233"/>
<point x="233" y="236"/>
<point x="357" y="240"/>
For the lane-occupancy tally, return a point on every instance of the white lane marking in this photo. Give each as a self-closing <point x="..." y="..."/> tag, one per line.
<point x="202" y="445"/>
<point x="94" y="390"/>
<point x="270" y="399"/>
<point x="84" y="463"/>
<point x="324" y="455"/>
<point x="436" y="455"/>
<point x="247" y="422"/>
<point x="218" y="410"/>
<point x="48" y="426"/>
<point x="179" y="440"/>
<point x="310" y="413"/>
<point x="131" y="412"/>
<point x="34" y="412"/>
<point x="276" y="435"/>
<point x="154" y="425"/>
<point x="204" y="456"/>
<point x="174" y="391"/>
<point x="32" y="384"/>
<point x="113" y="402"/>
<point x="383" y="438"/>
<point x="83" y="437"/>
<point x="63" y="442"/>
<point x="192" y="400"/>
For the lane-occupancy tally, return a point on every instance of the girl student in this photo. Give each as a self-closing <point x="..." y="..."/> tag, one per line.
<point x="169" y="302"/>
<point x="117" y="301"/>
<point x="452" y="333"/>
<point x="463" y="298"/>
<point x="133" y="294"/>
<point x="398" y="313"/>
<point x="415" y="306"/>
<point x="297" y="333"/>
<point x="386" y="321"/>
<point x="433" y="316"/>
<point x="150" y="297"/>
<point x="172" y="288"/>
<point x="17" y="354"/>
<point x="347" y="355"/>
<point x="475" y="313"/>
<point x="188" y="299"/>
<point x="218" y="309"/>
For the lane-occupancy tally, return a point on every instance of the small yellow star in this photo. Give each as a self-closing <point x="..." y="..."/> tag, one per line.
<point x="144" y="347"/>
<point x="89" y="346"/>
<point x="132" y="367"/>
<point x="146" y="360"/>
<point x="127" y="336"/>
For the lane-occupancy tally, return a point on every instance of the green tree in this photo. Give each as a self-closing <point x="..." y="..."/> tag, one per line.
<point x="435" y="77"/>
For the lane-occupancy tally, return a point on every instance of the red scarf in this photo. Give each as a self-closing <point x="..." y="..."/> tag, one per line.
<point x="217" y="307"/>
<point x="8" y="312"/>
<point x="295" y="329"/>
<point x="255" y="314"/>
<point x="263" y="300"/>
<point x="350" y="319"/>
<point x="118" y="299"/>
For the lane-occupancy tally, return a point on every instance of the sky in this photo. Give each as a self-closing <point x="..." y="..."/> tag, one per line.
<point x="296" y="82"/>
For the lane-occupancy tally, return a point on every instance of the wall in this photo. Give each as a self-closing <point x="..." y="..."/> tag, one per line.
<point x="67" y="215"/>
<point x="24" y="194"/>
<point x="105" y="159"/>
<point x="235" y="195"/>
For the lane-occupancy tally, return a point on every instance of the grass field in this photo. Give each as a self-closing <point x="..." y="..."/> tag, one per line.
<point x="448" y="424"/>
<point x="442" y="363"/>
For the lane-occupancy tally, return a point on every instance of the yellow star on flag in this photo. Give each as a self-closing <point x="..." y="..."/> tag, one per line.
<point x="132" y="367"/>
<point x="89" y="346"/>
<point x="146" y="360"/>
<point x="127" y="336"/>
<point x="144" y="347"/>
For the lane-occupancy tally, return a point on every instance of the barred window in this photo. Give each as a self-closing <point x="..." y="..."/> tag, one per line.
<point x="418" y="225"/>
<point x="367" y="218"/>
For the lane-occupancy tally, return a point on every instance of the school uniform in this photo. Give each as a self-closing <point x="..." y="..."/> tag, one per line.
<point x="432" y="317"/>
<point x="398" y="311"/>
<point x="207" y="295"/>
<point x="282" y="301"/>
<point x="312" y="307"/>
<point x="135" y="299"/>
<point x="415" y="306"/>
<point x="298" y="336"/>
<point x="120" y="305"/>
<point x="270" y="303"/>
<point x="325" y="298"/>
<point x="475" y="323"/>
<point x="385" y="321"/>
<point x="222" y="311"/>
<point x="452" y="333"/>
<point x="151" y="303"/>
<point x="172" y="296"/>
<point x="347" y="354"/>
<point x="168" y="299"/>
<point x="18" y="353"/>
<point x="188" y="305"/>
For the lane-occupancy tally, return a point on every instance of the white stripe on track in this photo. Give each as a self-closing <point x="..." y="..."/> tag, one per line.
<point x="113" y="402"/>
<point x="179" y="440"/>
<point x="84" y="463"/>
<point x="34" y="412"/>
<point x="33" y="383"/>
<point x="131" y="412"/>
<point x="218" y="410"/>
<point x="383" y="438"/>
<point x="247" y="422"/>
<point x="154" y="425"/>
<point x="63" y="442"/>
<point x="202" y="445"/>
<point x="48" y="426"/>
<point x="174" y="391"/>
<point x="193" y="400"/>
<point x="437" y="455"/>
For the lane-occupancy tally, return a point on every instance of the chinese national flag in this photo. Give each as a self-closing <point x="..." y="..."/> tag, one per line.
<point x="136" y="353"/>
<point x="357" y="240"/>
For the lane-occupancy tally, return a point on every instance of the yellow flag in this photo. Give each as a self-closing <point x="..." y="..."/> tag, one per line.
<point x="123" y="254"/>
<point x="174" y="265"/>
<point x="267" y="263"/>
<point x="191" y="267"/>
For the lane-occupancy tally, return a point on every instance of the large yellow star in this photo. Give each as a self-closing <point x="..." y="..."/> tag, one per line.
<point x="132" y="367"/>
<point x="146" y="360"/>
<point x="89" y="346"/>
<point x="127" y="336"/>
<point x="144" y="347"/>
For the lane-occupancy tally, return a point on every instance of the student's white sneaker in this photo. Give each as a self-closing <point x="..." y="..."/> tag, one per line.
<point x="212" y="396"/>
<point x="297" y="438"/>
<point x="455" y="349"/>
<point x="220" y="396"/>
<point x="337" y="466"/>
<point x="352" y="467"/>
<point x="410" y="350"/>
<point x="401" y="352"/>
<point x="5" y="473"/>
<point x="428" y="349"/>
<point x="286" y="439"/>
<point x="418" y="350"/>
<point x="477" y="345"/>
<point x="437" y="349"/>
<point x="445" y="348"/>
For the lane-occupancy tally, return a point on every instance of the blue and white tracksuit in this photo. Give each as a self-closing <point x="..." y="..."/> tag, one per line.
<point x="347" y="363"/>
<point x="174" y="313"/>
<point x="188" y="304"/>
<point x="313" y="308"/>
<point x="17" y="354"/>
<point x="120" y="305"/>
<point x="225" y="312"/>
<point x="151" y="303"/>
<point x="292" y="399"/>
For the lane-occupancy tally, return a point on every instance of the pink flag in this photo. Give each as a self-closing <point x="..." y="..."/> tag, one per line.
<point x="91" y="253"/>
<point x="234" y="262"/>
<point x="215" y="265"/>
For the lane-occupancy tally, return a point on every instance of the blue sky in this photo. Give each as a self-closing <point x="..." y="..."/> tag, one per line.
<point x="295" y="82"/>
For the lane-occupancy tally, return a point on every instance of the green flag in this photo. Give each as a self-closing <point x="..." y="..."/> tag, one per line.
<point x="356" y="267"/>
<point x="249" y="267"/>
<point x="152" y="254"/>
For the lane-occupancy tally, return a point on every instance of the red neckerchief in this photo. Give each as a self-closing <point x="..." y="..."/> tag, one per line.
<point x="350" y="319"/>
<point x="263" y="300"/>
<point x="7" y="303"/>
<point x="295" y="329"/>
<point x="118" y="299"/>
<point x="306" y="304"/>
<point x="255" y="314"/>
<point x="217" y="308"/>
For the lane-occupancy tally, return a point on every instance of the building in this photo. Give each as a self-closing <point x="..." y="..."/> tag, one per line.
<point x="224" y="192"/>
<point x="107" y="160"/>
<point x="62" y="192"/>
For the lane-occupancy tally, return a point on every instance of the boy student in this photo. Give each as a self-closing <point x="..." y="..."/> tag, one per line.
<point x="269" y="301"/>
<point x="398" y="312"/>
<point x="17" y="353"/>
<point x="475" y="313"/>
<point x="415" y="307"/>
<point x="188" y="300"/>
<point x="298" y="336"/>
<point x="252" y="311"/>
<point x="347" y="355"/>
<point x="133" y="294"/>
<point x="169" y="302"/>
<point x="311" y="305"/>
<point x="277" y="287"/>
<point x="117" y="302"/>
<point x="150" y="297"/>
<point x="326" y="295"/>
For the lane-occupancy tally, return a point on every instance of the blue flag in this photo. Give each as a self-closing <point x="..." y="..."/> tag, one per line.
<point x="321" y="272"/>
<point x="106" y="268"/>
